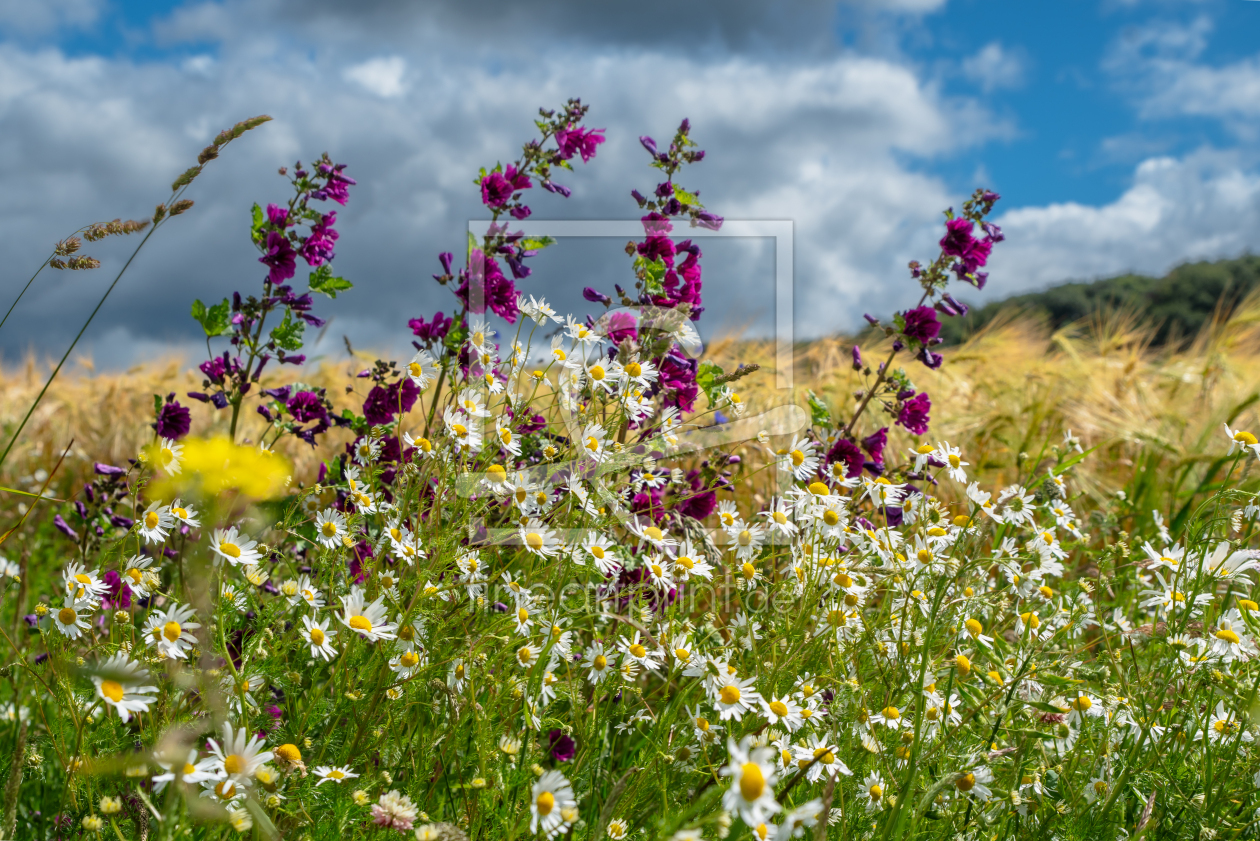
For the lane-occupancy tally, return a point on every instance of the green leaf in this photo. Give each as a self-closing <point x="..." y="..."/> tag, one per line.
<point x="257" y="220"/>
<point x="706" y="378"/>
<point x="686" y="198"/>
<point x="536" y="243"/>
<point x="653" y="274"/>
<point x="288" y="335"/>
<point x="819" y="414"/>
<point x="215" y="320"/>
<point x="323" y="280"/>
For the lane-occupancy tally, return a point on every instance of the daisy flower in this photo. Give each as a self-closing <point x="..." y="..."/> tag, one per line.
<point x="155" y="523"/>
<point x="81" y="585"/>
<point x="421" y="369"/>
<point x="238" y="755"/>
<point x="873" y="789"/>
<point x="333" y="773"/>
<point x="731" y="696"/>
<point x="168" y="631"/>
<point x="121" y="684"/>
<point x="799" y="459"/>
<point x="330" y="527"/>
<point x="317" y="635"/>
<point x="165" y="453"/>
<point x="186" y="768"/>
<point x="70" y="620"/>
<point x="550" y="799"/>
<point x="1241" y="440"/>
<point x="539" y="539"/>
<point x="753" y="773"/>
<point x="369" y="620"/>
<point x="234" y="547"/>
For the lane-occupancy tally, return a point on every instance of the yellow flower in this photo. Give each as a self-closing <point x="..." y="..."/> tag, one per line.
<point x="213" y="465"/>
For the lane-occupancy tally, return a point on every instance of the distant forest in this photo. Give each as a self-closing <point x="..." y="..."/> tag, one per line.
<point x="1176" y="305"/>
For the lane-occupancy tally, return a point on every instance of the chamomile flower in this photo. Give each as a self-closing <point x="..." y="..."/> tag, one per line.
<point x="237" y="754"/>
<point x="538" y="539"/>
<point x="167" y="631"/>
<point x="155" y="523"/>
<point x="551" y="800"/>
<point x="71" y="618"/>
<point x="974" y="782"/>
<point x="317" y="635"/>
<point x="333" y="773"/>
<point x="784" y="711"/>
<point x="601" y="551"/>
<point x="732" y="696"/>
<point x="123" y="685"/>
<point x="81" y="585"/>
<point x="873" y="791"/>
<point x="186" y="768"/>
<point x="799" y="459"/>
<point x="330" y="527"/>
<point x="234" y="547"/>
<point x="368" y="620"/>
<point x="166" y="454"/>
<point x="1241" y="441"/>
<point x="421" y="369"/>
<point x="753" y="773"/>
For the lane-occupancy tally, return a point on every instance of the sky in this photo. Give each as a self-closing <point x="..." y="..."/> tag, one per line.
<point x="1121" y="135"/>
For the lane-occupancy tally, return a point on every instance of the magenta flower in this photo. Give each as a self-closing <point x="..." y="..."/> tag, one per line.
<point x="875" y="443"/>
<point x="914" y="414"/>
<point x="497" y="187"/>
<point x="846" y="452"/>
<point x="318" y="246"/>
<point x="922" y="325"/>
<point x="280" y="257"/>
<point x="580" y="140"/>
<point x="278" y="216"/>
<point x="485" y="286"/>
<point x="306" y="406"/>
<point x="562" y="746"/>
<point x="173" y="421"/>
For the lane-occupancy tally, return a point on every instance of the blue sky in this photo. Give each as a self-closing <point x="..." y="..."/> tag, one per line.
<point x="1121" y="134"/>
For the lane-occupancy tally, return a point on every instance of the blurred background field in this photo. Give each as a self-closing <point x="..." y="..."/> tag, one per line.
<point x="1153" y="408"/>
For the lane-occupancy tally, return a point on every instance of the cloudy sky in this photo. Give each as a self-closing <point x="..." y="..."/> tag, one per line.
<point x="1121" y="135"/>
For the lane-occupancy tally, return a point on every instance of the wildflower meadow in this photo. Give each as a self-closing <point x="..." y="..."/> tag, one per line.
<point x="579" y="575"/>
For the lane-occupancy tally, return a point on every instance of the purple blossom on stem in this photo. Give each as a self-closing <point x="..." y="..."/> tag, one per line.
<point x="846" y="452"/>
<point x="173" y="421"/>
<point x="561" y="746"/>
<point x="914" y="414"/>
<point x="922" y="325"/>
<point x="875" y="443"/>
<point x="306" y="406"/>
<point x="497" y="187"/>
<point x="280" y="257"/>
<point x="582" y="141"/>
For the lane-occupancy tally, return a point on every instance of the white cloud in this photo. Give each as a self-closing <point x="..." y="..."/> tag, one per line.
<point x="381" y="76"/>
<point x="30" y="17"/>
<point x="1205" y="205"/>
<point x="995" y="67"/>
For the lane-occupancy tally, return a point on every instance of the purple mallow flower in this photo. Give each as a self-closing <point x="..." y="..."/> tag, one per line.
<point x="173" y="421"/>
<point x="922" y="325"/>
<point x="561" y="746"/>
<point x="280" y="257"/>
<point x="497" y="187"/>
<point x="914" y="414"/>
<point x="582" y="141"/>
